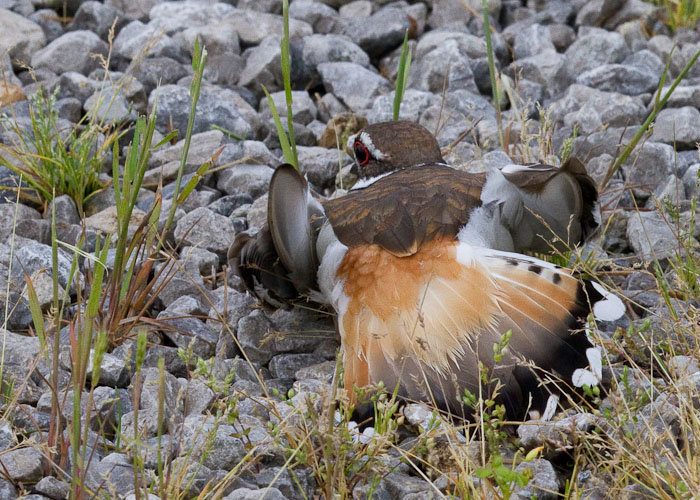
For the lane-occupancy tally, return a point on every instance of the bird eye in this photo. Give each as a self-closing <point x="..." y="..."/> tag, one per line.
<point x="361" y="153"/>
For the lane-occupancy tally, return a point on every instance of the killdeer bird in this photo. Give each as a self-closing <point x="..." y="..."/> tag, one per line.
<point x="420" y="266"/>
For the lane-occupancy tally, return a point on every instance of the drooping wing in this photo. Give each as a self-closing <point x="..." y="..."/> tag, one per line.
<point x="406" y="209"/>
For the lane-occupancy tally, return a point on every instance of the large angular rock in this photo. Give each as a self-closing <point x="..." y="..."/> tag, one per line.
<point x="323" y="18"/>
<point x="444" y="65"/>
<point x="252" y="27"/>
<point x="98" y="18"/>
<point x="137" y="38"/>
<point x="679" y="126"/>
<point x="648" y="167"/>
<point x="72" y="51"/>
<point x="204" y="228"/>
<point x="245" y="179"/>
<point x="622" y="78"/>
<point x="533" y="40"/>
<point x="356" y="86"/>
<point x="381" y="32"/>
<point x="173" y="17"/>
<point x="20" y="36"/>
<point x="651" y="236"/>
<point x="216" y="106"/>
<point x="591" y="109"/>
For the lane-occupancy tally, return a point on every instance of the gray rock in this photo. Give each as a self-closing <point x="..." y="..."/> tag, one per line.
<point x="35" y="256"/>
<point x="356" y="86"/>
<point x="173" y="17"/>
<point x="448" y="12"/>
<point x="52" y="488"/>
<point x="188" y="332"/>
<point x="562" y="36"/>
<point x="70" y="109"/>
<point x="8" y="218"/>
<point x="595" y="48"/>
<point x="318" y="48"/>
<point x="252" y="333"/>
<point x="114" y="473"/>
<point x="153" y="71"/>
<point x="198" y="397"/>
<point x="690" y="180"/>
<point x="358" y="9"/>
<point x="648" y="166"/>
<point x="595" y="12"/>
<point x="679" y="126"/>
<point x="73" y="84"/>
<point x="147" y="423"/>
<point x="23" y="465"/>
<point x="671" y="191"/>
<point x="202" y="227"/>
<point x="46" y="18"/>
<point x="415" y="102"/>
<point x="381" y="32"/>
<point x="218" y="444"/>
<point x="113" y="371"/>
<point x="109" y="105"/>
<point x="98" y="18"/>
<point x="533" y="40"/>
<point x="216" y="106"/>
<point x="467" y="108"/>
<point x="71" y="52"/>
<point x="432" y="69"/>
<point x="681" y="57"/>
<point x="540" y="68"/>
<point x="134" y="9"/>
<point x="19" y="36"/>
<point x="303" y="107"/>
<point x="622" y="78"/>
<point x="262" y="67"/>
<point x="544" y="484"/>
<point x="320" y="165"/>
<point x="283" y="481"/>
<point x="591" y="109"/>
<point x="323" y="19"/>
<point x="651" y="236"/>
<point x="245" y="179"/>
<point x="249" y="494"/>
<point x="286" y="365"/>
<point x="471" y="45"/>
<point x="7" y="436"/>
<point x="399" y="485"/>
<point x="252" y="27"/>
<point x="224" y="62"/>
<point x="136" y="39"/>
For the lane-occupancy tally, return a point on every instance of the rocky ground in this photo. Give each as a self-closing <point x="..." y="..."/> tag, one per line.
<point x="582" y="73"/>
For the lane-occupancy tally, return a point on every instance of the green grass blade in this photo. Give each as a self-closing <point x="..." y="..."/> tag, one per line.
<point x="495" y="86"/>
<point x="281" y="134"/>
<point x="647" y="123"/>
<point x="402" y="75"/>
<point x="286" y="64"/>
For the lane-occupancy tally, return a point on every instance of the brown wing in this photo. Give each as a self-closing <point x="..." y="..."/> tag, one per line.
<point x="406" y="209"/>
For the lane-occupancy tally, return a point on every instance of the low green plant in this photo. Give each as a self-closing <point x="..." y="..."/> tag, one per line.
<point x="54" y="161"/>
<point x="679" y="13"/>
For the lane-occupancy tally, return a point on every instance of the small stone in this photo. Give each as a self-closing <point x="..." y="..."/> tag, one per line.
<point x="286" y="365"/>
<point x="72" y="51"/>
<point x="252" y="333"/>
<point x="303" y="107"/>
<point x="188" y="332"/>
<point x="648" y="166"/>
<point x="323" y="19"/>
<point x="115" y="472"/>
<point x="622" y="78"/>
